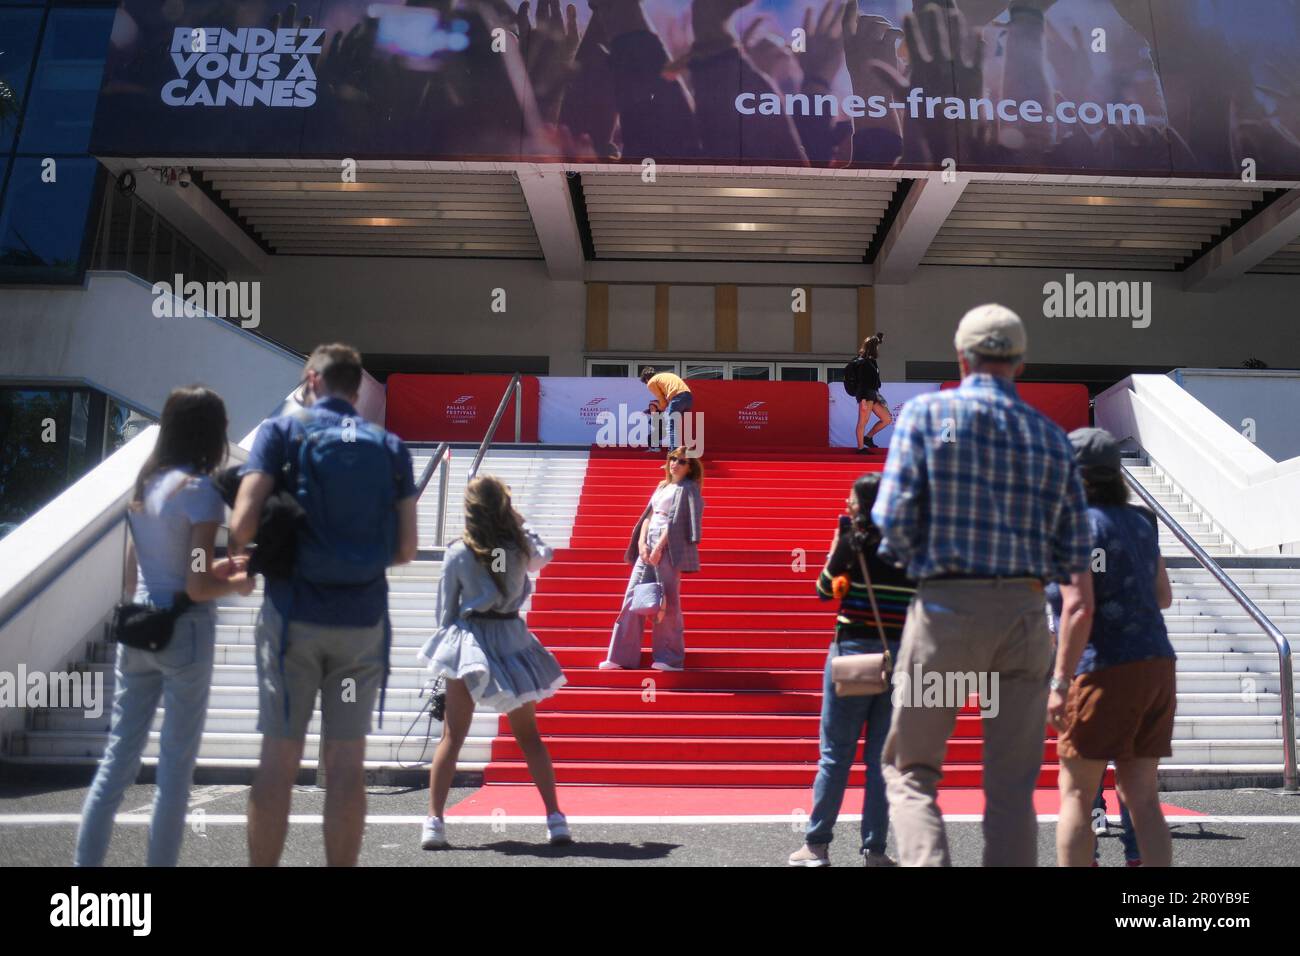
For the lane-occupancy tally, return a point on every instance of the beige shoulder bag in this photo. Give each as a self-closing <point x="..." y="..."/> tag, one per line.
<point x="862" y="675"/>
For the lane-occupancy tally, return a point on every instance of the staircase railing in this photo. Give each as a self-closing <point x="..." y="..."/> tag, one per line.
<point x="1286" y="681"/>
<point x="441" y="461"/>
<point x="516" y="388"/>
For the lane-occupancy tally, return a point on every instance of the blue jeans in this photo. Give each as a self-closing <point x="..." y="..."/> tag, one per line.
<point x="679" y="406"/>
<point x="841" y="728"/>
<point x="1127" y="838"/>
<point x="180" y="675"/>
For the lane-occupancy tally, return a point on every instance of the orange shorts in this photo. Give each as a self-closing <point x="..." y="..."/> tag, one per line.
<point x="1121" y="712"/>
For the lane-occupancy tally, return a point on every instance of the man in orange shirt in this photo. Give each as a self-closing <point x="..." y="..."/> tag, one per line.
<point x="672" y="396"/>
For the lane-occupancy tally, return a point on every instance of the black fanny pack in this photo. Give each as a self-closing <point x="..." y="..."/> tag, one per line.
<point x="148" y="628"/>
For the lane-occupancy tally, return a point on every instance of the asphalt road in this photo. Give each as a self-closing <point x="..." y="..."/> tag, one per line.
<point x="507" y="843"/>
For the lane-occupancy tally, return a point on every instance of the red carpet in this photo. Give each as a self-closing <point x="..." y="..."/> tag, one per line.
<point x="515" y="800"/>
<point x="744" y="713"/>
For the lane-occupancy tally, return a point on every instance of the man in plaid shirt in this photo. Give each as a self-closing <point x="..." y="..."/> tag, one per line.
<point x="982" y="502"/>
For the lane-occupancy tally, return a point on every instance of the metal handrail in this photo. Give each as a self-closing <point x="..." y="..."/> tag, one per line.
<point x="440" y="460"/>
<point x="516" y="386"/>
<point x="1287" y="690"/>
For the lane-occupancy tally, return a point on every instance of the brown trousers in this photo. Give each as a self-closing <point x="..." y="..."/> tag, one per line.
<point x="1000" y="629"/>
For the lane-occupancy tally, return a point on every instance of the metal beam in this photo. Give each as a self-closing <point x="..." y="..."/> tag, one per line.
<point x="924" y="212"/>
<point x="196" y="217"/>
<point x="734" y="273"/>
<point x="1273" y="227"/>
<point x="547" y="194"/>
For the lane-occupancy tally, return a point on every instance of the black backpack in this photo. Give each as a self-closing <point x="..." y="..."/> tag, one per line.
<point x="851" y="371"/>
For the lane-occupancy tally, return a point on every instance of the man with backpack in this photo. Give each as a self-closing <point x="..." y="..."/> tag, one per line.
<point x="325" y="626"/>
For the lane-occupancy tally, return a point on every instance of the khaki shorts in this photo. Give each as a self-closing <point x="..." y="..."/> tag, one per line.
<point x="1121" y="712"/>
<point x="345" y="664"/>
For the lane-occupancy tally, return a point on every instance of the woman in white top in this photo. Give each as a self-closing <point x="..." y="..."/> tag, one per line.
<point x="173" y="516"/>
<point x="664" y="545"/>
<point x="484" y="649"/>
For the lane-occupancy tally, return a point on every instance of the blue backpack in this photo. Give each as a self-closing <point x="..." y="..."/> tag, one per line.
<point x="347" y="486"/>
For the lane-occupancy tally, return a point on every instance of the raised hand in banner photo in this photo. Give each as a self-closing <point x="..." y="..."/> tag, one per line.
<point x="827" y="139"/>
<point x="976" y="12"/>
<point x="934" y="65"/>
<point x="770" y="55"/>
<point x="823" y="53"/>
<point x="871" y="40"/>
<point x="548" y="49"/>
<point x="589" y="108"/>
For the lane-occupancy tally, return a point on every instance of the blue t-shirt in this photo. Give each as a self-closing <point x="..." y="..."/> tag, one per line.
<point x="1127" y="625"/>
<point x="353" y="606"/>
<point x="173" y="502"/>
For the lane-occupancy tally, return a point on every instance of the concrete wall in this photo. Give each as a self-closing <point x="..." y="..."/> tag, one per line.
<point x="107" y="334"/>
<point x="409" y="305"/>
<point x="443" y="306"/>
<point x="1263" y="405"/>
<point x="1252" y="317"/>
<point x="391" y="305"/>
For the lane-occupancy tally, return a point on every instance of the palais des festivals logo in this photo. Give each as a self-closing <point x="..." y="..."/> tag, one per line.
<point x="462" y="410"/>
<point x="753" y="416"/>
<point x="589" y="413"/>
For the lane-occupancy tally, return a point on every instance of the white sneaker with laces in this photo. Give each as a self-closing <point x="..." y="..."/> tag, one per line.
<point x="557" y="830"/>
<point x="433" y="835"/>
<point x="661" y="666"/>
<point x="609" y="666"/>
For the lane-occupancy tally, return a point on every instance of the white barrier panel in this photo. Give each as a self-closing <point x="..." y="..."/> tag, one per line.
<point x="844" y="411"/>
<point x="569" y="407"/>
<point x="1249" y="496"/>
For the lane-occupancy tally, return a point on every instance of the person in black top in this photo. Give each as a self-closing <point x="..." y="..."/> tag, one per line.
<point x="862" y="381"/>
<point x="843" y="718"/>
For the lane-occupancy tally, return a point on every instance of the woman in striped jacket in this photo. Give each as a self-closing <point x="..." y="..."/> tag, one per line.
<point x="842" y="718"/>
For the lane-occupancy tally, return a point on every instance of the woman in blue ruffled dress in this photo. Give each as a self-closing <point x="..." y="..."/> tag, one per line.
<point x="485" y="651"/>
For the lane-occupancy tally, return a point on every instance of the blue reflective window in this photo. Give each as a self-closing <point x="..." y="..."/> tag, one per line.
<point x="65" y="87"/>
<point x="42" y="224"/>
<point x="19" y="28"/>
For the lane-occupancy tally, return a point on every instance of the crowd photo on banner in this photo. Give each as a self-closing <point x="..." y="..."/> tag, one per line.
<point x="1159" y="87"/>
<point x="946" y="561"/>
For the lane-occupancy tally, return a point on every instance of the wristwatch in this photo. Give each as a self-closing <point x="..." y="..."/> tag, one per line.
<point x="1057" y="683"/>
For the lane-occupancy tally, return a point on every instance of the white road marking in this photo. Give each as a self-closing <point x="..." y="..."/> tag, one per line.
<point x="199" y="796"/>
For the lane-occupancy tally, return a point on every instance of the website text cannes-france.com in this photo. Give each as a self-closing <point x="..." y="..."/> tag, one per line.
<point x="918" y="105"/>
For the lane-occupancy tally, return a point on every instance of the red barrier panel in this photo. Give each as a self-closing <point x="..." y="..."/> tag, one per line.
<point x="456" y="407"/>
<point x="1065" y="403"/>
<point x="773" y="415"/>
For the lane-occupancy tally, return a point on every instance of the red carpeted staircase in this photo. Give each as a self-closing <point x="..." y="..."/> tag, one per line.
<point x="745" y="711"/>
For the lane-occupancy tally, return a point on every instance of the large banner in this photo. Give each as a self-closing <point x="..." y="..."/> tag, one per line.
<point x="575" y="410"/>
<point x="844" y="411"/>
<point x="1065" y="403"/>
<point x="1195" y="88"/>
<point x="457" y="407"/>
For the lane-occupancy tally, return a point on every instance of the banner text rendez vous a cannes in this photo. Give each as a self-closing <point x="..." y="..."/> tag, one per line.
<point x="1155" y="87"/>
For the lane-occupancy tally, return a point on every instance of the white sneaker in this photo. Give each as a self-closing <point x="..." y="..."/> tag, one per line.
<point x="609" y="666"/>
<point x="433" y="835"/>
<point x="557" y="830"/>
<point x="811" y="855"/>
<point x="661" y="666"/>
